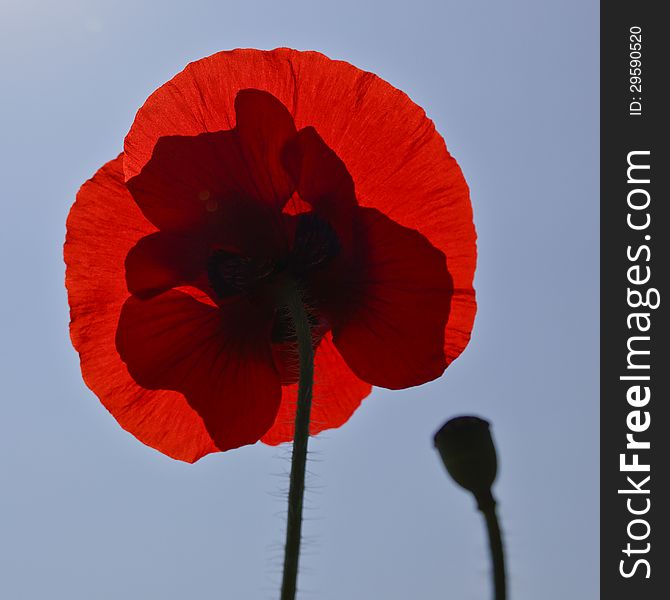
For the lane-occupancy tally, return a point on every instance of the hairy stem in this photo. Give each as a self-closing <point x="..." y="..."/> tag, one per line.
<point x="296" y="308"/>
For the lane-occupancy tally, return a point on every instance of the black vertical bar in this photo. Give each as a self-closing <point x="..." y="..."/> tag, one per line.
<point x="635" y="265"/>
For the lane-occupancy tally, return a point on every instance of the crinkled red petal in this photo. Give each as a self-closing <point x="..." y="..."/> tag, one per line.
<point x="193" y="182"/>
<point x="163" y="260"/>
<point x="219" y="359"/>
<point x="393" y="335"/>
<point x="337" y="394"/>
<point x="102" y="227"/>
<point x="264" y="126"/>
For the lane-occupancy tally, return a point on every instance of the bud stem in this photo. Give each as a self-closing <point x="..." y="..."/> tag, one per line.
<point x="293" y="301"/>
<point x="487" y="505"/>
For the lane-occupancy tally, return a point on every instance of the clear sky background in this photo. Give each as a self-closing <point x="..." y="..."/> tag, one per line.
<point x="89" y="513"/>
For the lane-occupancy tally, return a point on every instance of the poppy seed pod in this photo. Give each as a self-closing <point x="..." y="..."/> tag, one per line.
<point x="468" y="453"/>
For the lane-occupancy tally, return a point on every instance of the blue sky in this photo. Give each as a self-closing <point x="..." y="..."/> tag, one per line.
<point x="88" y="512"/>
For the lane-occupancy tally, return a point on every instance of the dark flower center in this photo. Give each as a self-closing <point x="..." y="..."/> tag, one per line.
<point x="231" y="274"/>
<point x="315" y="244"/>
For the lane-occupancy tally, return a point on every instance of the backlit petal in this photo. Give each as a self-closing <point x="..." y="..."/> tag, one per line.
<point x="393" y="334"/>
<point x="264" y="126"/>
<point x="190" y="179"/>
<point x="161" y="261"/>
<point x="102" y="227"/>
<point x="219" y="359"/>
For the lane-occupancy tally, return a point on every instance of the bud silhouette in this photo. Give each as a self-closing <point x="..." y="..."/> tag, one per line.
<point x="468" y="453"/>
<point x="466" y="447"/>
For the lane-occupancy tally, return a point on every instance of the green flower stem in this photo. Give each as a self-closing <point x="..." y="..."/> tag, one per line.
<point x="487" y="505"/>
<point x="293" y="301"/>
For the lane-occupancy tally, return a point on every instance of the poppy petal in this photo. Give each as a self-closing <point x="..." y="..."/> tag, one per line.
<point x="337" y="393"/>
<point x="323" y="181"/>
<point x="202" y="97"/>
<point x="103" y="225"/>
<point x="397" y="160"/>
<point x="394" y="335"/>
<point x="264" y="126"/>
<point x="201" y="183"/>
<point x="215" y="357"/>
<point x="161" y="261"/>
<point x="188" y="178"/>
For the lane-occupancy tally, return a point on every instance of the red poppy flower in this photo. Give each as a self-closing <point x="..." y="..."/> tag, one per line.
<point x="248" y="168"/>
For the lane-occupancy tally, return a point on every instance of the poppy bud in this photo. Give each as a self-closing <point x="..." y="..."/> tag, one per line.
<point x="468" y="453"/>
